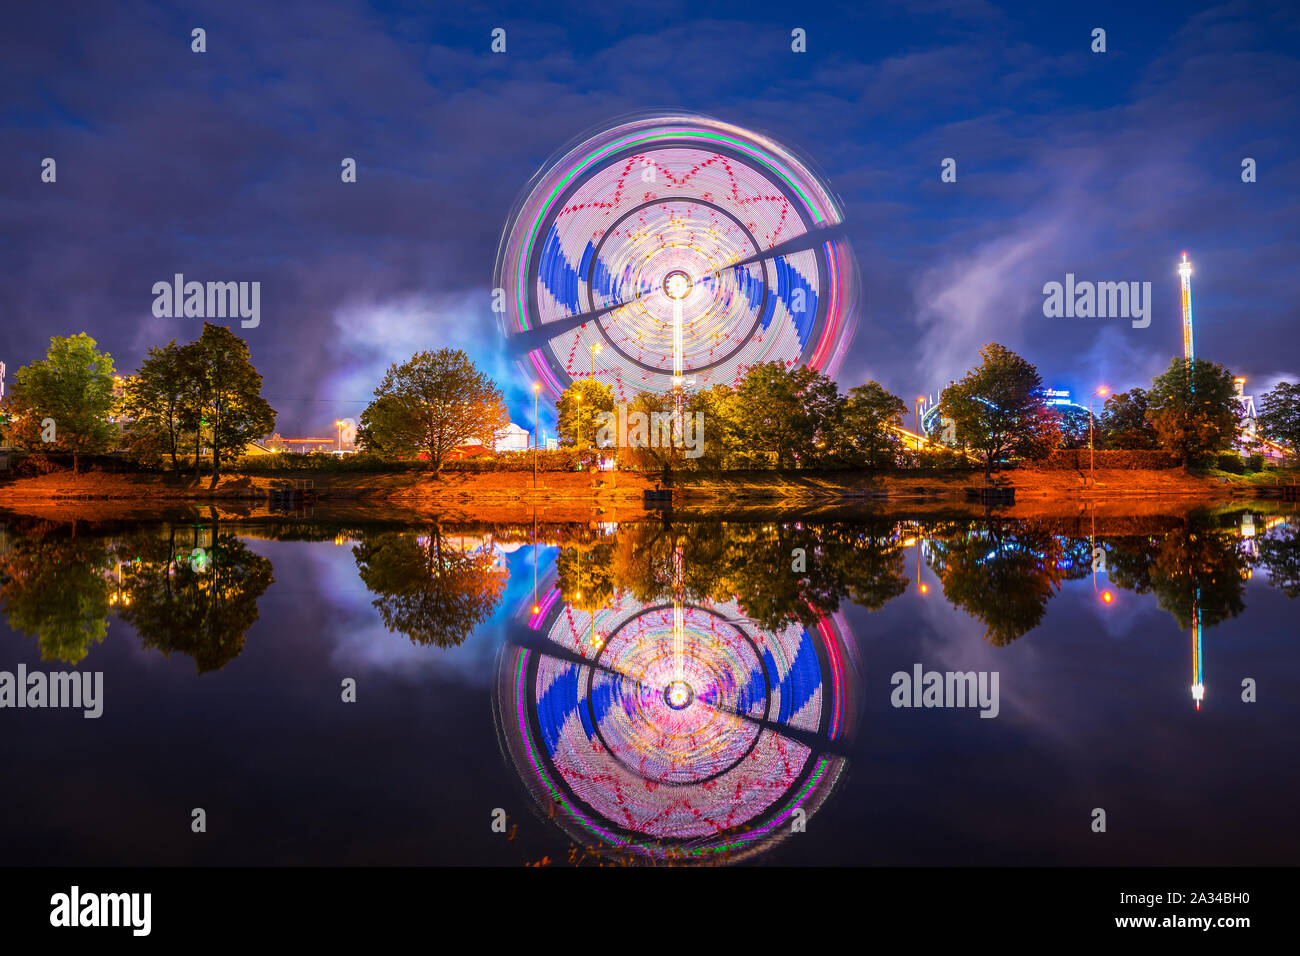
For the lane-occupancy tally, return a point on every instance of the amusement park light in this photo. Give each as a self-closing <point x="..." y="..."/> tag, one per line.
<point x="723" y="187"/>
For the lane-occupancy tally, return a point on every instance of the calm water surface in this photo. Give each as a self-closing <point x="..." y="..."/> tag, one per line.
<point x="658" y="691"/>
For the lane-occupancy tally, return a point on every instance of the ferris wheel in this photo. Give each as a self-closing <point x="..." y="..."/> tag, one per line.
<point x="675" y="251"/>
<point x="675" y="730"/>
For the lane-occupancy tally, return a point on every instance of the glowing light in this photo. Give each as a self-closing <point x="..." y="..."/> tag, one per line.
<point x="677" y="284"/>
<point x="584" y="240"/>
<point x="679" y="695"/>
<point x="692" y="766"/>
<point x="1107" y="597"/>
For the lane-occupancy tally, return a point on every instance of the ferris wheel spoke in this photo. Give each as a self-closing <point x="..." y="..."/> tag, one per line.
<point x="799" y="243"/>
<point x="536" y="337"/>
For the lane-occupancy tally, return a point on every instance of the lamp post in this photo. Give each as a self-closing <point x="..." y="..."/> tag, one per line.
<point x="1092" y="475"/>
<point x="338" y="428"/>
<point x="596" y="349"/>
<point x="919" y="400"/>
<point x="537" y="387"/>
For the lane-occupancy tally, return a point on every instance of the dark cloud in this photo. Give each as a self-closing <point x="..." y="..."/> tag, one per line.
<point x="225" y="166"/>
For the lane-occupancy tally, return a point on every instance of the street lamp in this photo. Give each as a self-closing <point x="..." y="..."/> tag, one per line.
<point x="537" y="387"/>
<point x="919" y="400"/>
<point x="1092" y="476"/>
<point x="338" y="427"/>
<point x="596" y="349"/>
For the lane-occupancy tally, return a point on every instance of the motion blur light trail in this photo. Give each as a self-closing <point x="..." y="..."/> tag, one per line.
<point x="700" y="751"/>
<point x="675" y="226"/>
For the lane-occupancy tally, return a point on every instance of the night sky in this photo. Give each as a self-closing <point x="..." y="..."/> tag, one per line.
<point x="225" y="166"/>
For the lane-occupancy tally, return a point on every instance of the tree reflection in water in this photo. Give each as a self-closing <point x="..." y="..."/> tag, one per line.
<point x="194" y="586"/>
<point x="433" y="587"/>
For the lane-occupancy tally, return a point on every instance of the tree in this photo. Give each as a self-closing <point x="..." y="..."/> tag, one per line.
<point x="431" y="404"/>
<point x="1002" y="573"/>
<point x="1279" y="554"/>
<point x="576" y="412"/>
<point x="1124" y="423"/>
<point x="155" y="403"/>
<point x="1194" y="409"/>
<point x="63" y="402"/>
<point x="199" y="601"/>
<point x="1073" y="425"/>
<point x="786" y="415"/>
<point x="999" y="410"/>
<point x="585" y="573"/>
<point x="865" y="428"/>
<point x="57" y="589"/>
<point x="1279" y="415"/>
<point x="228" y="390"/>
<point x="433" y="590"/>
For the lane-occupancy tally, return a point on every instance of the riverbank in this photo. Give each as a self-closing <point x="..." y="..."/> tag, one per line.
<point x="1037" y="491"/>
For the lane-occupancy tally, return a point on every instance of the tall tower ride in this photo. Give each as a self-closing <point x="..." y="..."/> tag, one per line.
<point x="1185" y="277"/>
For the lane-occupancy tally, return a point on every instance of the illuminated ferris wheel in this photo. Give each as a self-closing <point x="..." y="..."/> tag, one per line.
<point x="675" y="731"/>
<point x="675" y="251"/>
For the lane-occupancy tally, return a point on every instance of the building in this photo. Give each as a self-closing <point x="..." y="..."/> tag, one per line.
<point x="514" y="438"/>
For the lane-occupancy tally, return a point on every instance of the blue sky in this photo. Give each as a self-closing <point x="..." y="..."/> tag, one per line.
<point x="225" y="166"/>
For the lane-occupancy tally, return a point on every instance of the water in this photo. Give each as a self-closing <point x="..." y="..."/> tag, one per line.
<point x="720" y="706"/>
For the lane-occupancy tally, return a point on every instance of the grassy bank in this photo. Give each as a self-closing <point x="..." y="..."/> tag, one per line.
<point x="758" y="487"/>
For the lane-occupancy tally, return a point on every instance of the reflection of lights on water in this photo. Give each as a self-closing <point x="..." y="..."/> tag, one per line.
<point x="1107" y="597"/>
<point x="710" y="783"/>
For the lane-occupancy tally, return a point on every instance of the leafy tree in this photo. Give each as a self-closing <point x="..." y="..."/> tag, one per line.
<point x="1279" y="415"/>
<point x="431" y="404"/>
<point x="1193" y="570"/>
<point x="1279" y="553"/>
<point x="864" y="429"/>
<point x="73" y="386"/>
<point x="651" y="447"/>
<point x="999" y="410"/>
<point x="786" y="415"/>
<point x="229" y="392"/>
<point x="57" y="590"/>
<point x="586" y="573"/>
<point x="1194" y="409"/>
<point x="1004" y="574"/>
<point x="1124" y="423"/>
<point x="198" y="601"/>
<point x="1073" y="425"/>
<point x="429" y="588"/>
<point x="155" y="405"/>
<point x="576" y="412"/>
